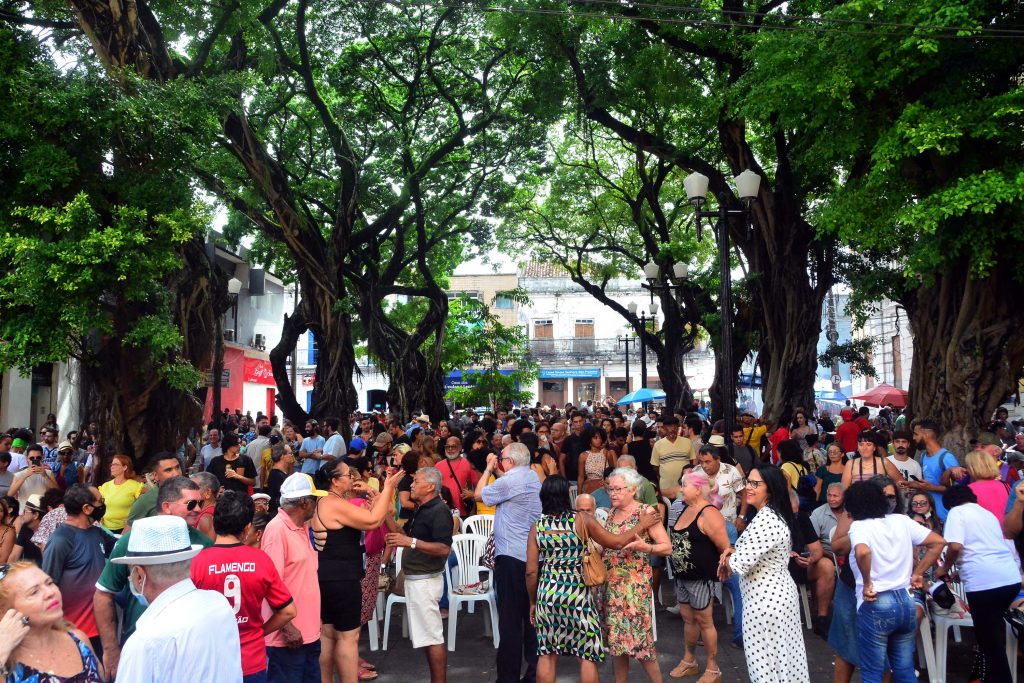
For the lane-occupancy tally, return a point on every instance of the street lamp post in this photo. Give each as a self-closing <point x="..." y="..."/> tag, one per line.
<point x="627" y="340"/>
<point x="643" y="340"/>
<point x="747" y="185"/>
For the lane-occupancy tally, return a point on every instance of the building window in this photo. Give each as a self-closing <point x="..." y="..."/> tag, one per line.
<point x="585" y="391"/>
<point x="503" y="302"/>
<point x="471" y="294"/>
<point x="583" y="343"/>
<point x="543" y="329"/>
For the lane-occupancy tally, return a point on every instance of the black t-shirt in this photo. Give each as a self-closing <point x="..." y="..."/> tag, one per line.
<point x="641" y="452"/>
<point x="572" y="447"/>
<point x="29" y="550"/>
<point x="274" y="481"/>
<point x="242" y="465"/>
<point x="404" y="485"/>
<point x="430" y="522"/>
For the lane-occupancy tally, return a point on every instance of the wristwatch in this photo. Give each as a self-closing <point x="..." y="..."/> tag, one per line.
<point x="412" y="546"/>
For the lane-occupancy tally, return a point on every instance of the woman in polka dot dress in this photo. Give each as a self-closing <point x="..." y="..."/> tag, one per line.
<point x="771" y="606"/>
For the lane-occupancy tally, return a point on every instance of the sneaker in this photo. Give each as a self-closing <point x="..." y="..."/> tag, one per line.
<point x="672" y="609"/>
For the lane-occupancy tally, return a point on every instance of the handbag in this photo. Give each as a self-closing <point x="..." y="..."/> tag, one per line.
<point x="594" y="571"/>
<point x="487" y="559"/>
<point x="468" y="503"/>
<point x="386" y="578"/>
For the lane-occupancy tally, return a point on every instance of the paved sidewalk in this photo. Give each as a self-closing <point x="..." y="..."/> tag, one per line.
<point x="473" y="660"/>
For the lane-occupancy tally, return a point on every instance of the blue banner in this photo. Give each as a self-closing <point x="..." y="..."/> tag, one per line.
<point x="562" y="373"/>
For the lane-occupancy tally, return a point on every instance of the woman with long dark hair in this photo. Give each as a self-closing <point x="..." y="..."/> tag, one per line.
<point x="771" y="604"/>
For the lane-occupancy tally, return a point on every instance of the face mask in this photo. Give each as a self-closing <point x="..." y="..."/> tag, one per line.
<point x="138" y="592"/>
<point x="98" y="512"/>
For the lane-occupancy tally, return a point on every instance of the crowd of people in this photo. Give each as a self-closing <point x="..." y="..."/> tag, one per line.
<point x="256" y="551"/>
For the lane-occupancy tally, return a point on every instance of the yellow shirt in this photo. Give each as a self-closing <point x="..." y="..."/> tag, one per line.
<point x="482" y="509"/>
<point x="118" y="500"/>
<point x="670" y="457"/>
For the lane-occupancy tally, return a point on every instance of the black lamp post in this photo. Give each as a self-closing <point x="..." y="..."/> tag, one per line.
<point x="627" y="340"/>
<point x="747" y="185"/>
<point x="644" y="319"/>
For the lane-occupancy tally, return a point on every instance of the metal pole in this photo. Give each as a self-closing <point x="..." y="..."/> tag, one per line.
<point x="643" y="351"/>
<point x="725" y="303"/>
<point x="627" y="363"/>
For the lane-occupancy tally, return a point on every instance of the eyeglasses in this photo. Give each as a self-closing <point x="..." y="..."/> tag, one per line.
<point x="919" y="503"/>
<point x="339" y="476"/>
<point x="617" y="489"/>
<point x="753" y="483"/>
<point x="4" y="570"/>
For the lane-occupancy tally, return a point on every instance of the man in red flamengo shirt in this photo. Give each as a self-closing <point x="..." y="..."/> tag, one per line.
<point x="246" y="577"/>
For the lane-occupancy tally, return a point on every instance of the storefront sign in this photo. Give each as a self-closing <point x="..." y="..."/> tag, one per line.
<point x="225" y="379"/>
<point x="259" y="372"/>
<point x="561" y="373"/>
<point x="308" y="380"/>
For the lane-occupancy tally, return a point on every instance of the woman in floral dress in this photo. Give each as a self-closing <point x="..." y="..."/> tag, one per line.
<point x="627" y="598"/>
<point x="562" y="607"/>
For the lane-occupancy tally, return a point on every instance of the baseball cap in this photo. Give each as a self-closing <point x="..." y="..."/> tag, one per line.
<point x="383" y="439"/>
<point x="299" y="485"/>
<point x="357" y="445"/>
<point x="261" y="496"/>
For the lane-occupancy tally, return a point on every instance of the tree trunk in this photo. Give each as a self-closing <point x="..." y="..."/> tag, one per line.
<point x="137" y="412"/>
<point x="967" y="349"/>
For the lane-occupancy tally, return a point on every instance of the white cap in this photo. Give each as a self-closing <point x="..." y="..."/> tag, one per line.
<point x="261" y="496"/>
<point x="158" y="540"/>
<point x="299" y="485"/>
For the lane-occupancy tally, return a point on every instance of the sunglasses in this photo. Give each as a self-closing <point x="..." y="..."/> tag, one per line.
<point x="193" y="504"/>
<point x="4" y="570"/>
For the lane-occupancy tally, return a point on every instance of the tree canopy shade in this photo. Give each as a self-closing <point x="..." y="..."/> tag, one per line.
<point x="101" y="247"/>
<point x="601" y="210"/>
<point x="670" y="88"/>
<point x="370" y="140"/>
<point x="921" y="131"/>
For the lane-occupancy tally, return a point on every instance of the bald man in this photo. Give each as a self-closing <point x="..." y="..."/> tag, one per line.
<point x="586" y="503"/>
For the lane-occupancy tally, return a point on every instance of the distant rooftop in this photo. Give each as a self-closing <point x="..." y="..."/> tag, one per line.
<point x="542" y="269"/>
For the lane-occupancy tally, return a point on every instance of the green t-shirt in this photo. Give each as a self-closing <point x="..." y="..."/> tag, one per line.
<point x="114" y="579"/>
<point x="144" y="506"/>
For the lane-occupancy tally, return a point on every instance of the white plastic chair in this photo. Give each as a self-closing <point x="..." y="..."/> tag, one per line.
<point x="572" y="495"/>
<point x="467" y="549"/>
<point x="482" y="525"/>
<point x="942" y="625"/>
<point x="392" y="601"/>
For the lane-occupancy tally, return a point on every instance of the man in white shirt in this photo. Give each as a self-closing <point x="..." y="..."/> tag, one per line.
<point x="334" y="447"/>
<point x="212" y="448"/>
<point x="908" y="467"/>
<point x="186" y="634"/>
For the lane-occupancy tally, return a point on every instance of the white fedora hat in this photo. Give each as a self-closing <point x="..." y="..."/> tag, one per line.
<point x="158" y="540"/>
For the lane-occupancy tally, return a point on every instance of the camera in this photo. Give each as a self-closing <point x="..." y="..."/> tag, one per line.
<point x="36" y="461"/>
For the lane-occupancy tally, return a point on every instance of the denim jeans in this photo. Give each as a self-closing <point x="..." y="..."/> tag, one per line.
<point x="732" y="584"/>
<point x="298" y="665"/>
<point x="258" y="677"/>
<point x="887" y="626"/>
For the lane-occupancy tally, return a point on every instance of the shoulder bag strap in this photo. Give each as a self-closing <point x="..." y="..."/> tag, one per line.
<point x="452" y="470"/>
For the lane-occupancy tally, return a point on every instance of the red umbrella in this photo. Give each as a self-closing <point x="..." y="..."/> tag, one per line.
<point x="884" y="394"/>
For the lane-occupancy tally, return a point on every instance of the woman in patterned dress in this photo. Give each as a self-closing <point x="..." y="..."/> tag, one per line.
<point x="771" y="605"/>
<point x="628" y="615"/>
<point x="562" y="607"/>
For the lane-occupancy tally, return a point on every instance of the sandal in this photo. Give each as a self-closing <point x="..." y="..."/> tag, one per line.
<point x="711" y="676"/>
<point x="367" y="674"/>
<point x="363" y="664"/>
<point x="684" y="669"/>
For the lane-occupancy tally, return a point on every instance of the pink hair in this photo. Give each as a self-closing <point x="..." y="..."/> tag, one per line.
<point x="709" y="491"/>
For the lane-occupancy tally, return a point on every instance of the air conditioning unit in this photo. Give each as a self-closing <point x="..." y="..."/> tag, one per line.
<point x="229" y="335"/>
<point x="260" y="342"/>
